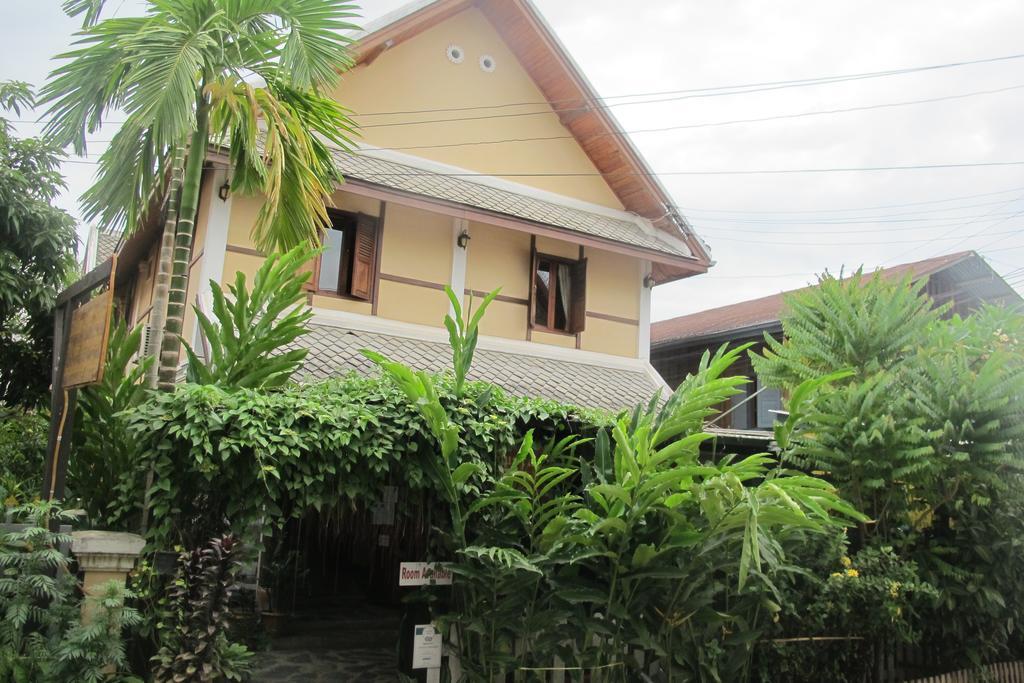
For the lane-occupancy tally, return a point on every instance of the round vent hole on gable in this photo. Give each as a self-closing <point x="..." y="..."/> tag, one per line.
<point x="487" y="63"/>
<point x="455" y="54"/>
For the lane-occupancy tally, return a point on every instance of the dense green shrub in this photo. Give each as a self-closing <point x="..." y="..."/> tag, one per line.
<point x="234" y="456"/>
<point x="195" y="646"/>
<point x="838" y="609"/>
<point x="22" y="454"/>
<point x="41" y="636"/>
<point x="102" y="449"/>
<point x="637" y="560"/>
<point x="926" y="436"/>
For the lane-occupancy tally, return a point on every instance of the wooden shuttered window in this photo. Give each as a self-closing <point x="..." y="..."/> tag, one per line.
<point x="532" y="304"/>
<point x="364" y="257"/>
<point x="313" y="268"/>
<point x="578" y="303"/>
<point x="558" y="293"/>
<point x="347" y="264"/>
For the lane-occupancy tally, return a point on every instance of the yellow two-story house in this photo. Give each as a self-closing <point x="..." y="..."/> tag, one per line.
<point x="485" y="160"/>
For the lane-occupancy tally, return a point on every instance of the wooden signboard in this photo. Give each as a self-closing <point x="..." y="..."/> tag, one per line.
<point x="87" y="342"/>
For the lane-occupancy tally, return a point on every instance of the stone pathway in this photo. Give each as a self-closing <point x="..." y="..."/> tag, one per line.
<point x="326" y="666"/>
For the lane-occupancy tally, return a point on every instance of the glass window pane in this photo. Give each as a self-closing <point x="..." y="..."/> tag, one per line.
<point x="542" y="281"/>
<point x="563" y="296"/>
<point x="330" y="261"/>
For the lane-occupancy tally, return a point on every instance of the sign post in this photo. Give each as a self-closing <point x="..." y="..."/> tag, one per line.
<point x="80" y="335"/>
<point x="427" y="640"/>
<point x="424" y="574"/>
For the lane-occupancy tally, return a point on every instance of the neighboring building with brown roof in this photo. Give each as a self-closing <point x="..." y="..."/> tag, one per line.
<point x="963" y="279"/>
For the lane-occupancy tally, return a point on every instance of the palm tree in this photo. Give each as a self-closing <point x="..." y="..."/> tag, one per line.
<point x="250" y="76"/>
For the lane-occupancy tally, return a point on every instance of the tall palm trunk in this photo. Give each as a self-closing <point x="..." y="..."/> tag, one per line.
<point x="161" y="287"/>
<point x="170" y="349"/>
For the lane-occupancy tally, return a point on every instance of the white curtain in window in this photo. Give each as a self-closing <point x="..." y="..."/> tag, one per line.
<point x="564" y="291"/>
<point x="330" y="261"/>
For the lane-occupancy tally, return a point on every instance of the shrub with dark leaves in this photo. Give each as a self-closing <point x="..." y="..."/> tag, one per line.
<point x="195" y="646"/>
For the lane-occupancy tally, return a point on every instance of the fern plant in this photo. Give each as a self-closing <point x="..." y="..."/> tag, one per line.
<point x="865" y="323"/>
<point x="246" y="344"/>
<point x="925" y="435"/>
<point x="41" y="637"/>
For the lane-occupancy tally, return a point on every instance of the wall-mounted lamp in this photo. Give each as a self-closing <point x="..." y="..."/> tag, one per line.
<point x="649" y="281"/>
<point x="463" y="239"/>
<point x="223" y="191"/>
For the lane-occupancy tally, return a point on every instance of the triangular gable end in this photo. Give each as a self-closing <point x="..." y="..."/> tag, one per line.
<point x="560" y="81"/>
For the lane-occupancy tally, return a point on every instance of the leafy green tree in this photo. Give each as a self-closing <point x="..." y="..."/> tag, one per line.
<point x="251" y="76"/>
<point x="926" y="435"/>
<point x="22" y="454"/>
<point x="37" y="255"/>
<point x="866" y="430"/>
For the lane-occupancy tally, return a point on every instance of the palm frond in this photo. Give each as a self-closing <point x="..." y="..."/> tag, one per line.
<point x="82" y="91"/>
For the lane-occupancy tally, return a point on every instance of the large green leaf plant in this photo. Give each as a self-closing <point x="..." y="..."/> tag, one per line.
<point x="641" y="561"/>
<point x="245" y="342"/>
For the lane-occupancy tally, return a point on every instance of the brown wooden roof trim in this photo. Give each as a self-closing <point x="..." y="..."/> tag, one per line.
<point x="667" y="267"/>
<point x="560" y="80"/>
<point x="370" y="46"/>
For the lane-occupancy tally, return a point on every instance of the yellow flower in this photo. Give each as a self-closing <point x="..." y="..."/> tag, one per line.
<point x="894" y="588"/>
<point x="846" y="562"/>
<point x="835" y="575"/>
<point x="853" y="573"/>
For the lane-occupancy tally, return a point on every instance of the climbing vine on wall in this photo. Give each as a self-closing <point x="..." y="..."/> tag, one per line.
<point x="225" y="458"/>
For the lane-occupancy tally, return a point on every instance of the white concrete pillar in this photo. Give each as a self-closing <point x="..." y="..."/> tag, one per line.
<point x="104" y="556"/>
<point x="459" y="260"/>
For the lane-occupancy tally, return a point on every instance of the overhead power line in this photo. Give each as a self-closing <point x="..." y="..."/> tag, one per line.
<point x="963" y="225"/>
<point x="804" y="243"/>
<point x="715" y="230"/>
<point x="768" y="171"/>
<point x="692" y="209"/>
<point x="714" y="91"/>
<point x="852" y="220"/>
<point x="663" y="129"/>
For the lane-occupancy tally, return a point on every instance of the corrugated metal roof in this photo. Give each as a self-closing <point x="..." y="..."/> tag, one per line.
<point x="465" y="191"/>
<point x="334" y="351"/>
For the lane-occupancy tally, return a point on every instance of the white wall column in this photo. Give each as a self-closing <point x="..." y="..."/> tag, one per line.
<point x="459" y="259"/>
<point x="644" y="331"/>
<point x="214" y="245"/>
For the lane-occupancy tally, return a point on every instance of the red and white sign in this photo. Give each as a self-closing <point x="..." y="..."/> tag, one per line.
<point x="424" y="574"/>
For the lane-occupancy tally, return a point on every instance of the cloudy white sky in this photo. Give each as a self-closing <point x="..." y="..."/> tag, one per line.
<point x="766" y="231"/>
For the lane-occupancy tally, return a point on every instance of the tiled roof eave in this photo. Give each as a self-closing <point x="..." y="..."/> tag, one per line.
<point x="454" y="189"/>
<point x="647" y="252"/>
<point x="335" y="351"/>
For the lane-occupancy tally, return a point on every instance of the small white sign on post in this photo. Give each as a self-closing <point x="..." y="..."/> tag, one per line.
<point x="424" y="574"/>
<point x="426" y="647"/>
